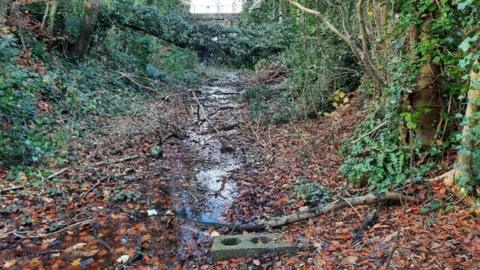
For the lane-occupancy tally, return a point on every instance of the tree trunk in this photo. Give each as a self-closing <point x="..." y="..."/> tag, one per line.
<point x="427" y="98"/>
<point x="469" y="140"/>
<point x="80" y="47"/>
<point x="52" y="15"/>
<point x="45" y="16"/>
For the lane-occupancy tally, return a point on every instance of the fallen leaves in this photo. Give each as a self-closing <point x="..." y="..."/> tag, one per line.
<point x="9" y="263"/>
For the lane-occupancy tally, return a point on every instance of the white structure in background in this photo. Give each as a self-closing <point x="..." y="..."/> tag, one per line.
<point x="215" y="6"/>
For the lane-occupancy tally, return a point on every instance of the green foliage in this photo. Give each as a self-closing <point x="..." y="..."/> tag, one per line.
<point x="381" y="161"/>
<point x="231" y="45"/>
<point x="49" y="99"/>
<point x="389" y="157"/>
<point x="312" y="193"/>
<point x="267" y="105"/>
<point x="318" y="63"/>
<point x="23" y="137"/>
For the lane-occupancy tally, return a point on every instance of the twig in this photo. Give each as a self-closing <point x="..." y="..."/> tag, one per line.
<point x="105" y="244"/>
<point x="39" y="235"/>
<point x="370" y="132"/>
<point x="11" y="188"/>
<point x="443" y="176"/>
<point x="90" y="190"/>
<point x="356" y="211"/>
<point x="135" y="82"/>
<point x="200" y="107"/>
<point x="58" y="173"/>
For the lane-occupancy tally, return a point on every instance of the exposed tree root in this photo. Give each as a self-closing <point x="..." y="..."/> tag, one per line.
<point x="371" y="198"/>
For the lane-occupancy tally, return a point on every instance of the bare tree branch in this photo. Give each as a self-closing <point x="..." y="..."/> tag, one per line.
<point x="361" y="53"/>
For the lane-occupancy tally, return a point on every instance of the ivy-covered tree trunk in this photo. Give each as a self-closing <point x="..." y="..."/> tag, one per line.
<point x="470" y="142"/>
<point x="427" y="103"/>
<point x="427" y="98"/>
<point x="80" y="47"/>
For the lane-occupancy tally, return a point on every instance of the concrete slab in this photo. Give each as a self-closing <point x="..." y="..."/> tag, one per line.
<point x="230" y="246"/>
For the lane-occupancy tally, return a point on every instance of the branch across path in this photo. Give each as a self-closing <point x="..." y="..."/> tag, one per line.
<point x="371" y="198"/>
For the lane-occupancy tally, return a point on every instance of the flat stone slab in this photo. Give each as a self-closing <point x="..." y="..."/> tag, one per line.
<point x="230" y="246"/>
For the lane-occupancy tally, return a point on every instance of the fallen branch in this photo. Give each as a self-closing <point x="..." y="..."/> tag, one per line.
<point x="371" y="198"/>
<point x="390" y="256"/>
<point x="33" y="234"/>
<point x="370" y="132"/>
<point x="58" y="173"/>
<point x="11" y="189"/>
<point x="128" y="77"/>
<point x="200" y="109"/>
<point x="448" y="176"/>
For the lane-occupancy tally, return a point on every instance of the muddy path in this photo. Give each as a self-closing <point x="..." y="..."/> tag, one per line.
<point x="199" y="167"/>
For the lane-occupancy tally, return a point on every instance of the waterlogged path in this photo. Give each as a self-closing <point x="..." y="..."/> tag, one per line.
<point x="201" y="165"/>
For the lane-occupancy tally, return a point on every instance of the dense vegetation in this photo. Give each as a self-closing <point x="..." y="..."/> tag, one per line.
<point x="67" y="63"/>
<point x="46" y="98"/>
<point x="413" y="63"/>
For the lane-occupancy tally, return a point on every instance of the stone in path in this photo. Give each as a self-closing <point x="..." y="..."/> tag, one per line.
<point x="230" y="246"/>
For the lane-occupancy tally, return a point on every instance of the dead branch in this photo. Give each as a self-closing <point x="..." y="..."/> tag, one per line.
<point x="371" y="198"/>
<point x="394" y="248"/>
<point x="41" y="234"/>
<point x="370" y="132"/>
<point x="11" y="189"/>
<point x="446" y="177"/>
<point x="84" y="195"/>
<point x="361" y="54"/>
<point x="58" y="173"/>
<point x="201" y="109"/>
<point x="129" y="78"/>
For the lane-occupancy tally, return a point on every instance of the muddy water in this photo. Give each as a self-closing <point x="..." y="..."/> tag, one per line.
<point x="207" y="192"/>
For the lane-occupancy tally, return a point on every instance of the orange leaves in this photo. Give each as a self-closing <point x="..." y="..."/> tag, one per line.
<point x="45" y="106"/>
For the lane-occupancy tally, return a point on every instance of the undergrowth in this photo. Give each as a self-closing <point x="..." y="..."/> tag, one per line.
<point x="272" y="106"/>
<point x="47" y="100"/>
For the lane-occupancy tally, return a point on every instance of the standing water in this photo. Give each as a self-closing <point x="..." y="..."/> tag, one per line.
<point x="208" y="192"/>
